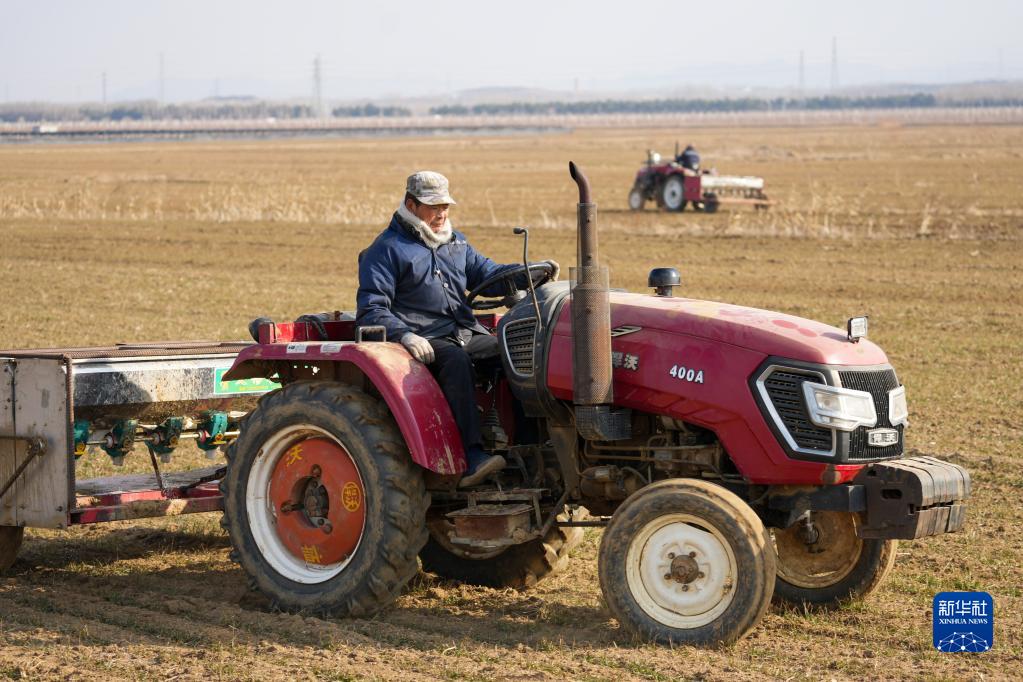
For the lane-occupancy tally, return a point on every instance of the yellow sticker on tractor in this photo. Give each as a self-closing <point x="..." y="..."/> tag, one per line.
<point x="293" y="455"/>
<point x="311" y="554"/>
<point x="351" y="496"/>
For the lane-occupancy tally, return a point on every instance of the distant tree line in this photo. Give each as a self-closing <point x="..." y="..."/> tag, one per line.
<point x="253" y="109"/>
<point x="42" y="112"/>
<point x="677" y="106"/>
<point x="370" y="110"/>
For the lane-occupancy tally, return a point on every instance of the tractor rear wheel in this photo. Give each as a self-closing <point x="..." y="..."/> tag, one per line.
<point x="518" y="566"/>
<point x="673" y="193"/>
<point x="684" y="561"/>
<point x="10" y="543"/>
<point x="325" y="509"/>
<point x="828" y="565"/>
<point x="637" y="199"/>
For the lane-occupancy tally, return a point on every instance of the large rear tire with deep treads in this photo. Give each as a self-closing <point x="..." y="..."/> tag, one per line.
<point x="833" y="565"/>
<point x="10" y="543"/>
<point x="684" y="561"/>
<point x="518" y="566"/>
<point x="673" y="193"/>
<point x="325" y="508"/>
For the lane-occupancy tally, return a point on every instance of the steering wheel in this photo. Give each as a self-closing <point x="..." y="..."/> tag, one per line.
<point x="540" y="273"/>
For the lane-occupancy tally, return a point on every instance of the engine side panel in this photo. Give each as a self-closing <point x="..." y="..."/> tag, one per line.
<point x="699" y="380"/>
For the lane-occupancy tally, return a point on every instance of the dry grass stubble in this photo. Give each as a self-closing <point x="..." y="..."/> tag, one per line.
<point x="184" y="241"/>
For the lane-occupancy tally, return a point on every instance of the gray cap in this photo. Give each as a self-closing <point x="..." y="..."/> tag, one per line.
<point x="429" y="187"/>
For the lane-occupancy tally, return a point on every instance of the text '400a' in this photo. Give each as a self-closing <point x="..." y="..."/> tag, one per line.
<point x="686" y="374"/>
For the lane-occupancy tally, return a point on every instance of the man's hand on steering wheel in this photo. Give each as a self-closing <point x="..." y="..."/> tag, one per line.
<point x="540" y="273"/>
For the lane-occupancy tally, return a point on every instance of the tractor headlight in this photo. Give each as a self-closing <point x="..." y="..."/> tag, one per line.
<point x="856" y="328"/>
<point x="898" y="411"/>
<point x="839" y="408"/>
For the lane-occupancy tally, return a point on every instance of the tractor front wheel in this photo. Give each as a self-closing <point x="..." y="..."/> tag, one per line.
<point x="637" y="199"/>
<point x="10" y="543"/>
<point x="673" y="193"/>
<point x="684" y="561"/>
<point x="824" y="563"/>
<point x="325" y="509"/>
<point x="518" y="566"/>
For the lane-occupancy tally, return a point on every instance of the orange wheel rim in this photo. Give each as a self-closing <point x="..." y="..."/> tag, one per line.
<point x="319" y="501"/>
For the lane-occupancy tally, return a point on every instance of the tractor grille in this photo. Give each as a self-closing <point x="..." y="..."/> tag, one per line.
<point x="518" y="344"/>
<point x="785" y="391"/>
<point x="877" y="383"/>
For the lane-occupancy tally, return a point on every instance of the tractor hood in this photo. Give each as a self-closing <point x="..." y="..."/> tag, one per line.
<point x="763" y="331"/>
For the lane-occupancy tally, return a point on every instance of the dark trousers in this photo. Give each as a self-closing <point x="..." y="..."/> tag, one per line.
<point x="452" y="367"/>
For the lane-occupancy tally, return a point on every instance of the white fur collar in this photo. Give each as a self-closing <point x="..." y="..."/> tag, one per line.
<point x="430" y="238"/>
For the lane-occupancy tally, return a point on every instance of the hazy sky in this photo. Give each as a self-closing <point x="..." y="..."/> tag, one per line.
<point x="51" y="50"/>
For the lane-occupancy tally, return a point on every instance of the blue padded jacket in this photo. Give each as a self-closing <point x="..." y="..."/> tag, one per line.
<point x="406" y="286"/>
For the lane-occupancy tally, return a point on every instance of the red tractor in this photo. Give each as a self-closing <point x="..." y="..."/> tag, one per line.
<point x="731" y="454"/>
<point x="676" y="184"/>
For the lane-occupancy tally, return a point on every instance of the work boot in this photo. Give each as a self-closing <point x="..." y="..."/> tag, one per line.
<point x="481" y="466"/>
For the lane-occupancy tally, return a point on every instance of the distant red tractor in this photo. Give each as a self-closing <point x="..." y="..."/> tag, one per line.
<point x="676" y="184"/>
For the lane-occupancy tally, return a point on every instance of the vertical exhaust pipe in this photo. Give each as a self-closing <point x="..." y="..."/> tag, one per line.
<point x="593" y="394"/>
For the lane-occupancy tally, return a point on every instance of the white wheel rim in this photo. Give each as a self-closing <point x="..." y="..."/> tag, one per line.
<point x="669" y="601"/>
<point x="635" y="200"/>
<point x="673" y="194"/>
<point x="263" y="516"/>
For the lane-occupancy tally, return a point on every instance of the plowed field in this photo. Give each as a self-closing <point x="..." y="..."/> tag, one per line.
<point x="918" y="227"/>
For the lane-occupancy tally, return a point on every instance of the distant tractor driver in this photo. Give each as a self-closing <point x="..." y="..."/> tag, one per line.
<point x="689" y="159"/>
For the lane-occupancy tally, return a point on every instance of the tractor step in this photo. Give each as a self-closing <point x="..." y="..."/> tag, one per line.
<point x="490" y="526"/>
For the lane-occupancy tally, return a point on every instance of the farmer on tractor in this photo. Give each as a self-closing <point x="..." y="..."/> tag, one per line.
<point x="412" y="282"/>
<point x="689" y="159"/>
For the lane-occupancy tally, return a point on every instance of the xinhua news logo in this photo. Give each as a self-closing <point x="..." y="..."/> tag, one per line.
<point x="964" y="621"/>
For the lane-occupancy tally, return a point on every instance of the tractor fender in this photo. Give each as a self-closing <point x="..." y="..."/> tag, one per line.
<point x="406" y="385"/>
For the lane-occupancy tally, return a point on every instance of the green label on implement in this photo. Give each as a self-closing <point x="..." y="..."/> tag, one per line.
<point x="254" y="385"/>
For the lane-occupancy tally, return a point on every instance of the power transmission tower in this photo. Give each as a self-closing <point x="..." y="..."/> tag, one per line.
<point x="802" y="74"/>
<point x="834" y="64"/>
<point x="318" y="87"/>
<point x="161" y="80"/>
<point x="104" y="87"/>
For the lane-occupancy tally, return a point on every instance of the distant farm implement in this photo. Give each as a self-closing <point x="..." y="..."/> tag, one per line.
<point x="677" y="184"/>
